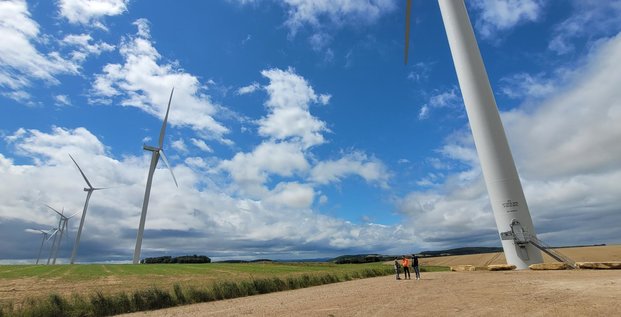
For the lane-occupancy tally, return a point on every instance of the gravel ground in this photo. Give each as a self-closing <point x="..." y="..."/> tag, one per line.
<point x="480" y="293"/>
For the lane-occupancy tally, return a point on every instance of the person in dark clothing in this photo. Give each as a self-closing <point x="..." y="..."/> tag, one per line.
<point x="415" y="266"/>
<point x="397" y="268"/>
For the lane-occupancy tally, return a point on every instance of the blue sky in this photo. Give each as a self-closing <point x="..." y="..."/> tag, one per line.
<point x="296" y="131"/>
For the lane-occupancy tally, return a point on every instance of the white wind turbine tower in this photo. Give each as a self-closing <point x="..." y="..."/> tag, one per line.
<point x="156" y="152"/>
<point x="513" y="219"/>
<point x="45" y="237"/>
<point x="62" y="226"/>
<point x="89" y="192"/>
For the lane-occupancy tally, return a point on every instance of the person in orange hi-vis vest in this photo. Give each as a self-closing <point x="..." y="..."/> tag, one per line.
<point x="406" y="267"/>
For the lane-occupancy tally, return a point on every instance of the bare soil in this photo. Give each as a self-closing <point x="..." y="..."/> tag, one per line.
<point x="579" y="254"/>
<point x="480" y="293"/>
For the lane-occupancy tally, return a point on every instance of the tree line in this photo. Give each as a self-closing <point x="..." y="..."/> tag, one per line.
<point x="178" y="259"/>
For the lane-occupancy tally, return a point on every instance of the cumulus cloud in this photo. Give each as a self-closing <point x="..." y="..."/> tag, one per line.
<point x="62" y="100"/>
<point x="144" y="82"/>
<point x="591" y="19"/>
<point x="526" y="85"/>
<point x="201" y="145"/>
<point x="251" y="170"/>
<point x="290" y="96"/>
<point x="566" y="150"/>
<point x="179" y="145"/>
<point x="502" y="15"/>
<point x="356" y="163"/>
<point x="248" y="89"/>
<point x="324" y="16"/>
<point x="193" y="218"/>
<point x="84" y="47"/>
<point x="450" y="98"/>
<point x="339" y="12"/>
<point x="21" y="60"/>
<point x="91" y="12"/>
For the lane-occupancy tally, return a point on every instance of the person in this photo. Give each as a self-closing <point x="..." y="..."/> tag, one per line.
<point x="397" y="268"/>
<point x="415" y="266"/>
<point x="406" y="268"/>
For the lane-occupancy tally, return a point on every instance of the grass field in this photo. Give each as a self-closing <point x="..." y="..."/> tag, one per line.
<point x="23" y="287"/>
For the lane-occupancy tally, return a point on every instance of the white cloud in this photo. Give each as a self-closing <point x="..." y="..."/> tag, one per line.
<point x="179" y="145"/>
<point x="319" y="41"/>
<point x="248" y="89"/>
<point x="566" y="150"/>
<point x="53" y="148"/>
<point x="424" y="112"/>
<point x="251" y="170"/>
<point x="91" y="12"/>
<point x="144" y="82"/>
<point x="441" y="99"/>
<point x="526" y="85"/>
<point x="576" y="131"/>
<point x="201" y="145"/>
<point x="356" y="163"/>
<point x="325" y="16"/>
<point x="337" y="12"/>
<point x="184" y="219"/>
<point x="84" y="47"/>
<point x="591" y="19"/>
<point x="420" y="71"/>
<point x="291" y="195"/>
<point x="502" y="15"/>
<point x="290" y="96"/>
<point x="20" y="59"/>
<point x="62" y="100"/>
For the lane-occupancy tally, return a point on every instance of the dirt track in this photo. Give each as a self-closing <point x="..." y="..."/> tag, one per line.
<point x="525" y="293"/>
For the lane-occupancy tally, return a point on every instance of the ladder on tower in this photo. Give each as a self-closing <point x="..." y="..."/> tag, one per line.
<point x="521" y="237"/>
<point x="551" y="252"/>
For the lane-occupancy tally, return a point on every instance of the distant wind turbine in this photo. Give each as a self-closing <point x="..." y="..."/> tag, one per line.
<point x="45" y="237"/>
<point x="89" y="191"/>
<point x="156" y="153"/>
<point x="506" y="196"/>
<point x="62" y="226"/>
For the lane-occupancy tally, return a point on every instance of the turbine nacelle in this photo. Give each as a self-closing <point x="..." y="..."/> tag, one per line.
<point x="151" y="148"/>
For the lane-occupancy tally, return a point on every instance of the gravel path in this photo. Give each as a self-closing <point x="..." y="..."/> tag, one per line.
<point x="516" y="293"/>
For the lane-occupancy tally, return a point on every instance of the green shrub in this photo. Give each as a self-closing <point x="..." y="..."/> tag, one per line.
<point x="179" y="294"/>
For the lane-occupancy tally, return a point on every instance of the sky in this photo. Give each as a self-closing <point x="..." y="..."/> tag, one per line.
<point x="295" y="129"/>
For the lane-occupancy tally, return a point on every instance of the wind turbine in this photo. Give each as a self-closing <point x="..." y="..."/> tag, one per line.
<point x="156" y="153"/>
<point x="62" y="226"/>
<point x="501" y="178"/>
<point x="89" y="192"/>
<point x="45" y="237"/>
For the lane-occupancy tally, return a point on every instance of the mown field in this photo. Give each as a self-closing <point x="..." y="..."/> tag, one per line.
<point x="132" y="286"/>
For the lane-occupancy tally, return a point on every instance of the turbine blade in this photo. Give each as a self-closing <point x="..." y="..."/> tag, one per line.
<point x="73" y="215"/>
<point x="168" y="166"/>
<point x="408" y="9"/>
<point x="53" y="233"/>
<point x="86" y="179"/>
<point x="58" y="212"/>
<point x="163" y="130"/>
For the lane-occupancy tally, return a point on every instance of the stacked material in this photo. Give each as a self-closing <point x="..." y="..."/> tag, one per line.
<point x="599" y="265"/>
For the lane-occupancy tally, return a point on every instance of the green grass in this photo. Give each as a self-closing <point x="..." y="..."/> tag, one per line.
<point x="432" y="268"/>
<point x="154" y="286"/>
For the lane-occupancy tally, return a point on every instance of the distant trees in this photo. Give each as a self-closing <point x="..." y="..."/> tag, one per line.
<point x="179" y="259"/>
<point x="359" y="258"/>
